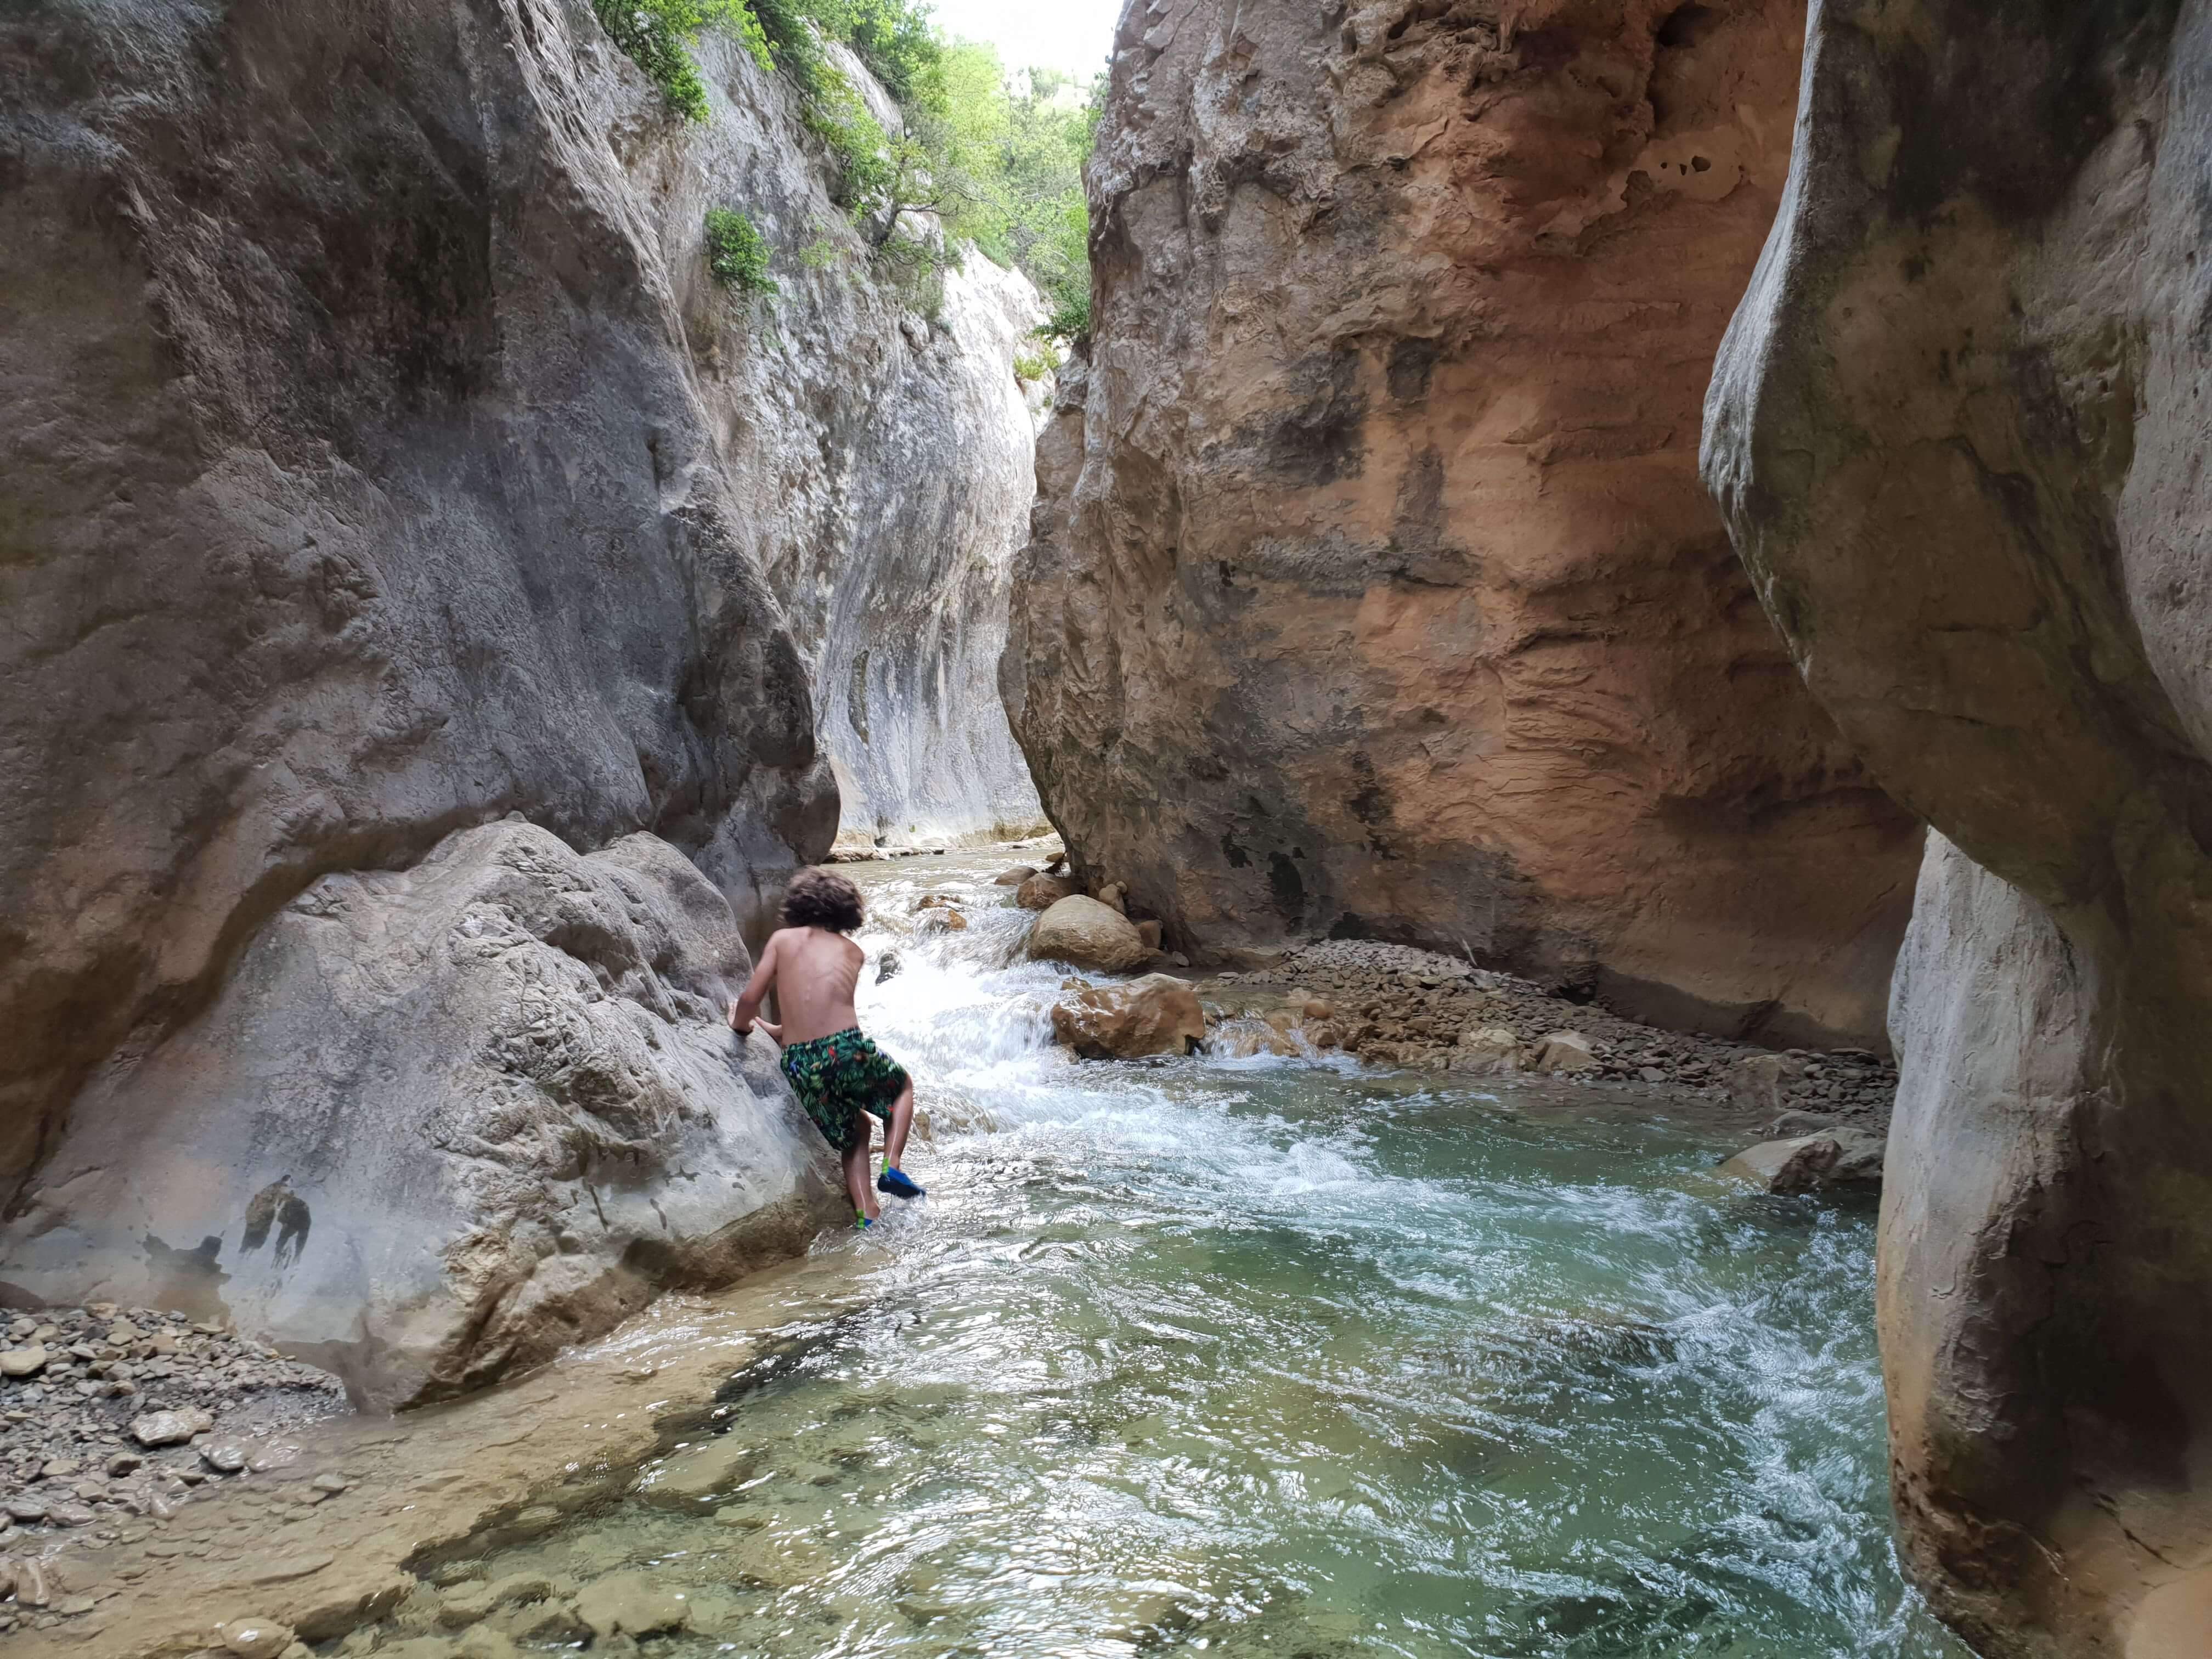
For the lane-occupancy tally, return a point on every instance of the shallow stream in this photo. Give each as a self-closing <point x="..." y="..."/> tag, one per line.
<point x="1268" y="1356"/>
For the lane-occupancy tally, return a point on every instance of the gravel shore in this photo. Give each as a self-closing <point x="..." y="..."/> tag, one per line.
<point x="1394" y="1005"/>
<point x="110" y="1419"/>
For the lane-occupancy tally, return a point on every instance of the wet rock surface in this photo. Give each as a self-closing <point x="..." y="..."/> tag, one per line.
<point x="1806" y="1163"/>
<point x="1087" y="933"/>
<point x="1158" y="1014"/>
<point x="1979" y="326"/>
<point x="1371" y="588"/>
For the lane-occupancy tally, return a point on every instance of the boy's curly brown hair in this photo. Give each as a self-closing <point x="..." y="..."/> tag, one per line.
<point x="821" y="898"/>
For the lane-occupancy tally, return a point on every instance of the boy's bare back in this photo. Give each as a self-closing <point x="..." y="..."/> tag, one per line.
<point x="812" y="972"/>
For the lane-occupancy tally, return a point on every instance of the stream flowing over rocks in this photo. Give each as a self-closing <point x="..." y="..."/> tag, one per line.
<point x="1371" y="589"/>
<point x="1271" y="1350"/>
<point x="381" y="462"/>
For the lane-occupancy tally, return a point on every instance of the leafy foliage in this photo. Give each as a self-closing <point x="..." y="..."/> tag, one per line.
<point x="1018" y="143"/>
<point x="1071" y="311"/>
<point x="894" y="37"/>
<point x="737" y="253"/>
<point x="996" y="157"/>
<point x="657" y="35"/>
<point x="1033" y="365"/>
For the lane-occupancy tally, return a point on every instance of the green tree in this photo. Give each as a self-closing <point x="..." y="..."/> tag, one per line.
<point x="737" y="253"/>
<point x="657" y="36"/>
<point x="997" y="156"/>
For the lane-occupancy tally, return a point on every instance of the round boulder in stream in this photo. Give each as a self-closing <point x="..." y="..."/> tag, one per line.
<point x="1089" y="934"/>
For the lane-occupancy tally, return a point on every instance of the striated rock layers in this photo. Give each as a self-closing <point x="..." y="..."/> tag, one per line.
<point x="1371" y="590"/>
<point x="1958" y="427"/>
<point x="896" y="578"/>
<point x="378" y="459"/>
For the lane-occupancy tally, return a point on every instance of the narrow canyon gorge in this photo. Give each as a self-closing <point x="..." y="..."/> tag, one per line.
<point x="1591" y="572"/>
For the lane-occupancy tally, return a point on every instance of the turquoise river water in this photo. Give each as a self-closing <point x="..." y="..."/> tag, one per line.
<point x="1280" y="1357"/>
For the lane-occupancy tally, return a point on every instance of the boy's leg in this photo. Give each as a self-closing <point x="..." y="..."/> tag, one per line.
<point x="895" y="1126"/>
<point x="856" y="1161"/>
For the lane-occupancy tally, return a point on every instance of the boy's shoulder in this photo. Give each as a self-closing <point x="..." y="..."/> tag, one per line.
<point x="797" y="938"/>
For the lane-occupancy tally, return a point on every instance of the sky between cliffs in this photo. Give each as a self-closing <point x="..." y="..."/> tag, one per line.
<point x="1074" y="35"/>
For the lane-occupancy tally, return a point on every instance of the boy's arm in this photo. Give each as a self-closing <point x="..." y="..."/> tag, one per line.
<point x="745" y="1011"/>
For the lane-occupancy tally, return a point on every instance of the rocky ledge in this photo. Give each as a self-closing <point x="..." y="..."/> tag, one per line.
<point x="109" y="1419"/>
<point x="1393" y="1004"/>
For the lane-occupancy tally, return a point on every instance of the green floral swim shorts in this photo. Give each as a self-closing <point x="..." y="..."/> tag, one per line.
<point x="838" y="1075"/>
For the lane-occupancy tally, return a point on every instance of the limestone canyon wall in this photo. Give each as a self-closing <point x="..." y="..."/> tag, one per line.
<point x="1959" y="429"/>
<point x="1371" y="588"/>
<point x="379" y="462"/>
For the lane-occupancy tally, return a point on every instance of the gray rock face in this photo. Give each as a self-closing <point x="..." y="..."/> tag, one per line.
<point x="1958" y="429"/>
<point x="896" y="573"/>
<point x="887" y="454"/>
<point x="377" y="457"/>
<point x="355" y="489"/>
<point x="443" y="1122"/>
<point x="1370" y="590"/>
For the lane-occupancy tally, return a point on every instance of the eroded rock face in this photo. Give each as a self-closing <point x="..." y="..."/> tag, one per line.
<point x="1958" y="429"/>
<point x="1371" y="588"/>
<point x="355" y="489"/>
<point x="379" y="457"/>
<point x="443" y="1122"/>
<point x="908" y="510"/>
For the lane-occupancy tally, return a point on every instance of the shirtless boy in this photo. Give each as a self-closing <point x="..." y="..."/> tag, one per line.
<point x="838" y="1074"/>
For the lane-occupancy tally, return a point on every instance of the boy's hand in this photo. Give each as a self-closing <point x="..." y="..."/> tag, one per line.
<point x="758" y="1024"/>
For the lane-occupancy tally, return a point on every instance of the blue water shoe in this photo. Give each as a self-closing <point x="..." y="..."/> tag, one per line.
<point x="893" y="1181"/>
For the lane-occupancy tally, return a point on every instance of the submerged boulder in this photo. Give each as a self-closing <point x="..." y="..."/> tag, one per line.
<point x="1014" y="877"/>
<point x="1158" y="1014"/>
<point x="1831" y="1157"/>
<point x="1088" y="934"/>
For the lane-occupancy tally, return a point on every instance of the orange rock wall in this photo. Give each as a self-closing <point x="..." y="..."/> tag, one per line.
<point x="1371" y="588"/>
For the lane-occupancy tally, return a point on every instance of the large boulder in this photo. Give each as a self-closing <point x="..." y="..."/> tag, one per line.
<point x="1562" y="1051"/>
<point x="1487" y="1050"/>
<point x="1085" y="933"/>
<point x="1158" y="1014"/>
<point x="1370" y="587"/>
<point x="1959" y="429"/>
<point x="442" y="1122"/>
